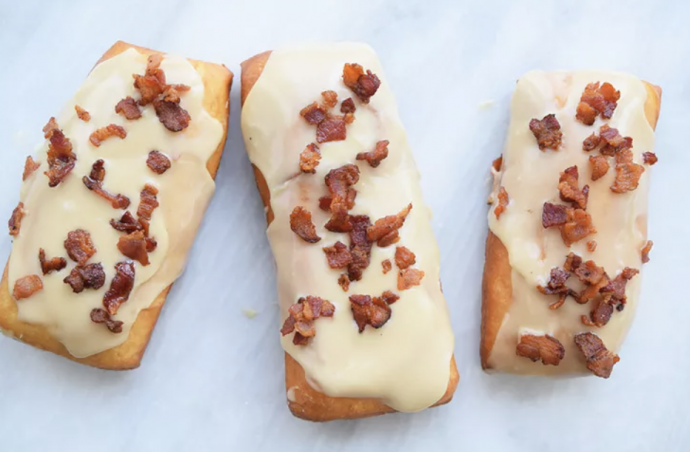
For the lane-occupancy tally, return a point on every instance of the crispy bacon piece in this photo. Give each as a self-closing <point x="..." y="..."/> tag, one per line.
<point x="338" y="255"/>
<point x="82" y="114"/>
<point x="15" y="223"/>
<point x="578" y="226"/>
<point x="502" y="202"/>
<point x="330" y="98"/>
<point x="369" y="311"/>
<point x="111" y="130"/>
<point x="152" y="84"/>
<point x="30" y="165"/>
<point x="128" y="108"/>
<point x="325" y="203"/>
<point x="50" y="127"/>
<point x="331" y="129"/>
<point x="409" y="277"/>
<point x="389" y="297"/>
<point x="546" y="348"/>
<point x="89" y="276"/>
<point x="158" y="162"/>
<point x="547" y="131"/>
<point x="126" y="224"/>
<point x="554" y="215"/>
<point x="387" y="266"/>
<point x="591" y="142"/>
<point x="616" y="287"/>
<point x="27" y="286"/>
<point x="360" y="246"/>
<point x="592" y="290"/>
<point x="344" y="282"/>
<point x="172" y="115"/>
<point x="572" y="262"/>
<point x="597" y="100"/>
<point x="569" y="189"/>
<point x="627" y="177"/>
<point x="645" y="251"/>
<point x="314" y="113"/>
<point x="339" y="182"/>
<point x="134" y="247"/>
<point x="592" y="246"/>
<point x="309" y="159"/>
<point x="94" y="182"/>
<point x="600" y="314"/>
<point x="54" y="264"/>
<point x="498" y="163"/>
<point x="599" y="360"/>
<point x="100" y="315"/>
<point x="61" y="159"/>
<point x="363" y="85"/>
<point x="589" y="273"/>
<point x="404" y="257"/>
<point x="556" y="286"/>
<point x="649" y="158"/>
<point x="385" y="230"/>
<point x="79" y="246"/>
<point x="600" y="166"/>
<point x="375" y="157"/>
<point x="348" y="106"/>
<point x="302" y="315"/>
<point x="302" y="225"/>
<point x="120" y="287"/>
<point x="613" y="141"/>
<point x="148" y="202"/>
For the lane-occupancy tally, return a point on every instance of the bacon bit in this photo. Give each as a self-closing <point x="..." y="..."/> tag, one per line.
<point x="29" y="167"/>
<point x="172" y="115"/>
<point x="313" y="113"/>
<point x="600" y="315"/>
<point x="387" y="266"/>
<point x="90" y="276"/>
<point x="577" y="227"/>
<point x="645" y="251"/>
<point x="597" y="100"/>
<point x="546" y="348"/>
<point x="54" y="264"/>
<point x="27" y="286"/>
<point x="79" y="246"/>
<point x="409" y="277"/>
<point x="126" y="224"/>
<point x="301" y="224"/>
<point x="554" y="215"/>
<point x="498" y="163"/>
<point x="82" y="114"/>
<point x="151" y="244"/>
<point x="331" y="129"/>
<point x="325" y="203"/>
<point x="339" y="182"/>
<point x="134" y="247"/>
<point x="152" y="84"/>
<point x="158" y="162"/>
<point x="592" y="246"/>
<point x="591" y="142"/>
<point x="592" y="290"/>
<point x="50" y="127"/>
<point x="349" y="118"/>
<point x="649" y="158"/>
<point x="348" y="106"/>
<point x="344" y="282"/>
<point x="147" y="204"/>
<point x="613" y="141"/>
<point x="302" y="315"/>
<point x="624" y="156"/>
<point x="502" y="202"/>
<point x="363" y="85"/>
<point x="94" y="182"/>
<point x="369" y="311"/>
<point x="120" y="287"/>
<point x="572" y="262"/>
<point x="15" y="222"/>
<point x="374" y="157"/>
<point x="589" y="273"/>
<point x="404" y="257"/>
<point x="309" y="159"/>
<point x="627" y="177"/>
<point x="389" y="297"/>
<point x="569" y="190"/>
<point x="338" y="255"/>
<point x="61" y="159"/>
<point x="385" y="230"/>
<point x="599" y="360"/>
<point x="556" y="284"/>
<point x="128" y="108"/>
<point x="617" y="286"/>
<point x="360" y="246"/>
<point x="100" y="315"/>
<point x="111" y="130"/>
<point x="600" y="166"/>
<point x="547" y="131"/>
<point x="330" y="98"/>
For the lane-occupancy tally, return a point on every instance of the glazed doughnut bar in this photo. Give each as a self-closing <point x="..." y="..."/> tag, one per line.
<point x="568" y="226"/>
<point x="110" y="205"/>
<point x="366" y="329"/>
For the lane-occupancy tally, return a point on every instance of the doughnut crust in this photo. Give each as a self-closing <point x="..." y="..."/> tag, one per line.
<point x="217" y="81"/>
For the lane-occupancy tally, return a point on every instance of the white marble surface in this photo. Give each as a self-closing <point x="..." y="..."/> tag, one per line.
<point x="213" y="379"/>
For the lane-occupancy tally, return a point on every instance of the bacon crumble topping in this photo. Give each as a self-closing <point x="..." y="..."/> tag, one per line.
<point x="30" y="165"/>
<point x="556" y="286"/>
<point x="387" y="266"/>
<point x="597" y="100"/>
<point x="616" y="287"/>
<point x="158" y="162"/>
<point x="94" y="182"/>
<point x="554" y="215"/>
<point x="127" y="223"/>
<point x="100" y="315"/>
<point x="591" y="142"/>
<point x="369" y="311"/>
<point x="649" y="158"/>
<point x="385" y="230"/>
<point x="547" y="131"/>
<point x="502" y="202"/>
<point x="363" y="85"/>
<point x="79" y="246"/>
<point x="309" y="158"/>
<point x="330" y="98"/>
<point x="171" y="114"/>
<point x="348" y="106"/>
<point x="313" y="113"/>
<point x="600" y="166"/>
<point x="599" y="359"/>
<point x="546" y="348"/>
<point x="302" y="225"/>
<point x="27" y="286"/>
<point x="120" y="287"/>
<point x="61" y="159"/>
<point x="569" y="189"/>
<point x="409" y="277"/>
<point x="375" y="157"/>
<point x="578" y="225"/>
<point x="645" y="251"/>
<point x="360" y="246"/>
<point x="339" y="182"/>
<point x="54" y="264"/>
<point x="592" y="246"/>
<point x="148" y="201"/>
<point x="102" y="134"/>
<point x="82" y="114"/>
<point x="627" y="177"/>
<point x="134" y="246"/>
<point x="89" y="276"/>
<point x="344" y="282"/>
<point x="301" y="317"/>
<point x="15" y="222"/>
<point x="338" y="255"/>
<point x="331" y="129"/>
<point x="404" y="257"/>
<point x="128" y="108"/>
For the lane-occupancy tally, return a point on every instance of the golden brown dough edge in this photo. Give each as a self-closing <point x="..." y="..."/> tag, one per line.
<point x="497" y="288"/>
<point x="308" y="403"/>
<point x="217" y="81"/>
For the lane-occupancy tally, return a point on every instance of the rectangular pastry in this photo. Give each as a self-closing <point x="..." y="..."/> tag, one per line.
<point x="366" y="328"/>
<point x="568" y="227"/>
<point x="110" y="205"/>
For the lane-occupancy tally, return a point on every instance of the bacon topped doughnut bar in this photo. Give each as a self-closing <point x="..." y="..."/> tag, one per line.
<point x="568" y="226"/>
<point x="111" y="203"/>
<point x="344" y="207"/>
